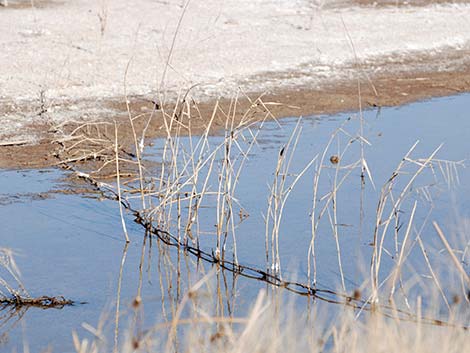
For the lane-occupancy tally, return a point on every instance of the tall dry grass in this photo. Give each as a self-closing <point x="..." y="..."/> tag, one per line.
<point x="273" y="325"/>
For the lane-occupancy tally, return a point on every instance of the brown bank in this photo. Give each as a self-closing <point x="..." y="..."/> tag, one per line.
<point x="388" y="89"/>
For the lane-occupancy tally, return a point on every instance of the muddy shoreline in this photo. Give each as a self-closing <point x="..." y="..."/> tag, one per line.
<point x="380" y="90"/>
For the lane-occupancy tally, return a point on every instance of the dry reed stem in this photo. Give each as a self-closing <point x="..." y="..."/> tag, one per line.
<point x="118" y="185"/>
<point x="399" y="263"/>
<point x="118" y="298"/>
<point x="138" y="145"/>
<point x="456" y="262"/>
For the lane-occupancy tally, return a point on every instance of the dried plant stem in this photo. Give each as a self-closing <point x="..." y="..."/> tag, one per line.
<point x="118" y="298"/>
<point x="433" y="274"/>
<point x="451" y="253"/>
<point x="138" y="145"/>
<point x="118" y="184"/>
<point x="399" y="263"/>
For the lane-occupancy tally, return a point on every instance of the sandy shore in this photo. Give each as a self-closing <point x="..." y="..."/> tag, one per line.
<point x="77" y="60"/>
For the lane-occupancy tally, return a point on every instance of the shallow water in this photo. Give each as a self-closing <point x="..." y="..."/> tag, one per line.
<point x="72" y="245"/>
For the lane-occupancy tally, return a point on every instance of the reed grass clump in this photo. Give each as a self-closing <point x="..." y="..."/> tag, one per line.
<point x="197" y="177"/>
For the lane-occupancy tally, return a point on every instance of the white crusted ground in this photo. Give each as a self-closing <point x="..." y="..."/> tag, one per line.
<point x="82" y="49"/>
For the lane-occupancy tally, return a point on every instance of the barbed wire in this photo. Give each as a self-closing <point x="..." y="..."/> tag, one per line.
<point x="354" y="301"/>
